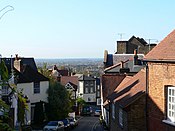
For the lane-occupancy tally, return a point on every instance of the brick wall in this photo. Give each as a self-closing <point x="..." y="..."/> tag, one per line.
<point x="133" y="116"/>
<point x="160" y="75"/>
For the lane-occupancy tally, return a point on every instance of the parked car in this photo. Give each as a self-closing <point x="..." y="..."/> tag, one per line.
<point x="54" y="126"/>
<point x="66" y="123"/>
<point x="86" y="110"/>
<point x="73" y="122"/>
<point x="97" y="113"/>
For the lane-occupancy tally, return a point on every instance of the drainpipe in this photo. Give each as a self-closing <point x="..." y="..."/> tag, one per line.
<point x="109" y="115"/>
<point x="147" y="93"/>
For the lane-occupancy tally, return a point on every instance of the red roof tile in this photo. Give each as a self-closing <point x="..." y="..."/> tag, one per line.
<point x="66" y="79"/>
<point x="165" y="50"/>
<point x="130" y="89"/>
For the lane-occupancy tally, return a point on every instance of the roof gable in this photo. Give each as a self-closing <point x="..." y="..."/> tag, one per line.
<point x="165" y="50"/>
<point x="130" y="90"/>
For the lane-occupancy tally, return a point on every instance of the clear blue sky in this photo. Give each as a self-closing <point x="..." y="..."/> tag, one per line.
<point x="80" y="28"/>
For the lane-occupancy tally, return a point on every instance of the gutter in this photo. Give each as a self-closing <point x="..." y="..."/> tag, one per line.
<point x="158" y="61"/>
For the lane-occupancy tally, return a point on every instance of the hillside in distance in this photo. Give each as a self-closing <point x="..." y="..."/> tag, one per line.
<point x="94" y="66"/>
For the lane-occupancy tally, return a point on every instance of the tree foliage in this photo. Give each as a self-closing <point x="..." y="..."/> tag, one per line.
<point x="22" y="105"/>
<point x="59" y="101"/>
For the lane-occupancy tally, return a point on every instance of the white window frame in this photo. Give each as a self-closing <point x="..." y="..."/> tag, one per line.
<point x="36" y="87"/>
<point x="86" y="90"/>
<point x="120" y="118"/>
<point x="92" y="90"/>
<point x="171" y="104"/>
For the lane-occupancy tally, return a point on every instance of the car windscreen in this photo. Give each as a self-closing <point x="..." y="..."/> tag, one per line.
<point x="52" y="123"/>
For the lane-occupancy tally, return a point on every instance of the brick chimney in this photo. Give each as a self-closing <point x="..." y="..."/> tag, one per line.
<point x="18" y="63"/>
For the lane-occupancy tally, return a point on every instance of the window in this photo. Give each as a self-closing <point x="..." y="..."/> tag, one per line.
<point x="171" y="104"/>
<point x="36" y="87"/>
<point x="98" y="87"/>
<point x="113" y="111"/>
<point x="98" y="93"/>
<point x="86" y="90"/>
<point x="91" y="83"/>
<point x="120" y="118"/>
<point x="92" y="90"/>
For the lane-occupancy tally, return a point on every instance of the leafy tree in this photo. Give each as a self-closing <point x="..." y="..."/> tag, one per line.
<point x="43" y="70"/>
<point x="22" y="105"/>
<point x="80" y="103"/>
<point x="59" y="101"/>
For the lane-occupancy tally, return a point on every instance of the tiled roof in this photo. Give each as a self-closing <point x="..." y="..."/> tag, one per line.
<point x="32" y="75"/>
<point x="66" y="79"/>
<point x="25" y="61"/>
<point x="127" y="64"/>
<point x="131" y="90"/>
<point x="124" y="57"/>
<point x="109" y="83"/>
<point x="165" y="50"/>
<point x="28" y="75"/>
<point x="86" y="78"/>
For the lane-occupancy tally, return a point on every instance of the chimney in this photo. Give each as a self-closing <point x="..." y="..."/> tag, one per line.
<point x="121" y="64"/>
<point x="18" y="63"/>
<point x="135" y="57"/>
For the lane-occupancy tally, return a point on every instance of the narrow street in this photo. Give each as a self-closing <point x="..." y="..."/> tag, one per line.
<point x="89" y="123"/>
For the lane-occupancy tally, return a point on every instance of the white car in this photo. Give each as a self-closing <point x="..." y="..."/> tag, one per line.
<point x="97" y="112"/>
<point x="73" y="122"/>
<point x="54" y="126"/>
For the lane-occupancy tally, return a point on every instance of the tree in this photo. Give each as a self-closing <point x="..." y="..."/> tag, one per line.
<point x="22" y="105"/>
<point x="80" y="103"/>
<point x="59" y="101"/>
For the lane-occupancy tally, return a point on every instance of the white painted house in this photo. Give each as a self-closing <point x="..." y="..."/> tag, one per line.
<point x="33" y="85"/>
<point x="87" y="88"/>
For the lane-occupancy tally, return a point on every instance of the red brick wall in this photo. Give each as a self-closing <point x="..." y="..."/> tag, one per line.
<point x="160" y="75"/>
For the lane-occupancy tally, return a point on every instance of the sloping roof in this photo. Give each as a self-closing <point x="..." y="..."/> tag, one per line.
<point x="165" y="50"/>
<point x="130" y="91"/>
<point x="141" y="40"/>
<point x="128" y="63"/>
<point x="32" y="75"/>
<point x="86" y="78"/>
<point x="66" y="79"/>
<point x="25" y="61"/>
<point x="109" y="83"/>
<point x="28" y="75"/>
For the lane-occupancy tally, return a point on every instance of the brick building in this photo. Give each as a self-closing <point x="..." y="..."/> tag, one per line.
<point x="127" y="104"/>
<point x="161" y="85"/>
<point x="128" y="47"/>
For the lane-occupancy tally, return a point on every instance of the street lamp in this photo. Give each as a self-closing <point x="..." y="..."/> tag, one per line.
<point x="10" y="8"/>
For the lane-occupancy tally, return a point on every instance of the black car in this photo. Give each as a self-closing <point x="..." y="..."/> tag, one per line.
<point x="86" y="110"/>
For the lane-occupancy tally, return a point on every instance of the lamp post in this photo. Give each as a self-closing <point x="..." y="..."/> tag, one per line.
<point x="8" y="7"/>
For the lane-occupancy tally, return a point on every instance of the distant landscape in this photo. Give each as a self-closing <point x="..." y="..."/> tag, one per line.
<point x="94" y="66"/>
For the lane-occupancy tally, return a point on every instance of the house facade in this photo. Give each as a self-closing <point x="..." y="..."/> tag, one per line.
<point x="31" y="83"/>
<point x="87" y="89"/>
<point x="161" y="85"/>
<point x="127" y="104"/>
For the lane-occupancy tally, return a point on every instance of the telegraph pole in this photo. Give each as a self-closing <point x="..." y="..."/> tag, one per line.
<point x="149" y="42"/>
<point x="121" y="35"/>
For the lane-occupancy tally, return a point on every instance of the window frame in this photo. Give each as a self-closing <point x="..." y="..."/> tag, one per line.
<point x="36" y="88"/>
<point x="171" y="104"/>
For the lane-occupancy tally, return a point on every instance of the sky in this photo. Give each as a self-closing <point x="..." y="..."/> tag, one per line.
<point x="80" y="28"/>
